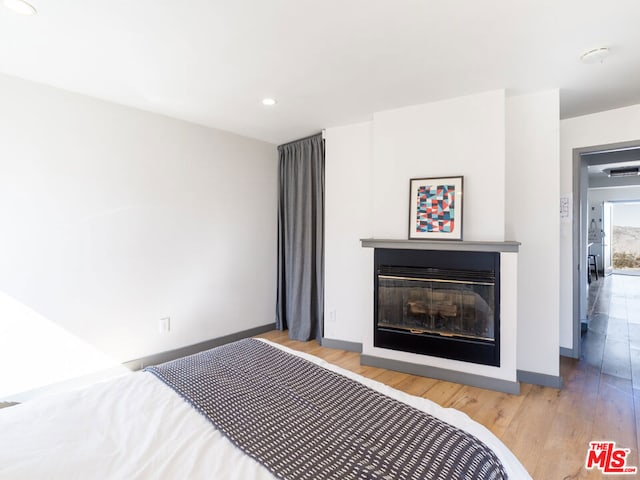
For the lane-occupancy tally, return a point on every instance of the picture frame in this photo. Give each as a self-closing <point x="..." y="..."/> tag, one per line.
<point x="436" y="208"/>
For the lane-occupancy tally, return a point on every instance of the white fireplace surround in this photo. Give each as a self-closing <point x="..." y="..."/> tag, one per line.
<point x="502" y="378"/>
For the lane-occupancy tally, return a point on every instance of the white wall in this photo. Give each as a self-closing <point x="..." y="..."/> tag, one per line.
<point x="599" y="195"/>
<point x="627" y="214"/>
<point x="464" y="136"/>
<point x="348" y="218"/>
<point x="533" y="192"/>
<point x="113" y="217"/>
<point x="613" y="126"/>
<point x="504" y="167"/>
<point x="368" y="167"/>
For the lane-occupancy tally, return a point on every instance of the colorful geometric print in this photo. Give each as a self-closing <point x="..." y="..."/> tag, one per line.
<point x="436" y="208"/>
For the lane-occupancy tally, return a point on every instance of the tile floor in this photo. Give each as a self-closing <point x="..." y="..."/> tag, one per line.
<point x="612" y="342"/>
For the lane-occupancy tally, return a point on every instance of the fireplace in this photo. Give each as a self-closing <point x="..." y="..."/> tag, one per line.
<point x="439" y="303"/>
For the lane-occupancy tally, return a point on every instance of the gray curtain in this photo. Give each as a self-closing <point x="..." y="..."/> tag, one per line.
<point x="300" y="302"/>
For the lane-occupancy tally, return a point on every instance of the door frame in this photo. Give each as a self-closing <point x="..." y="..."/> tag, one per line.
<point x="607" y="244"/>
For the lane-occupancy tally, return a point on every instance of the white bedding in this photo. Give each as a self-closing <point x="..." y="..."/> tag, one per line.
<point x="135" y="427"/>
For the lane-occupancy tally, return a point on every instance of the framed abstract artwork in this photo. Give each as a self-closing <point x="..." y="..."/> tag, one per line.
<point x="435" y="208"/>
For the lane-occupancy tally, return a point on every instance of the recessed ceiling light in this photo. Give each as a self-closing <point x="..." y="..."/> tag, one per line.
<point x="20" y="6"/>
<point x="595" y="55"/>
<point x="269" y="102"/>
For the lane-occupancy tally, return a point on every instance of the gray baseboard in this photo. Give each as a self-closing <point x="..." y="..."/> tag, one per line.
<point x="341" y="344"/>
<point x="443" y="374"/>
<point x="540" y="379"/>
<point x="140" y="363"/>
<point x="568" y="352"/>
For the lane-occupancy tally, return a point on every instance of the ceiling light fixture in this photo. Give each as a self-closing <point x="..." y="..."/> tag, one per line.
<point x="595" y="55"/>
<point x="269" y="102"/>
<point x="622" y="172"/>
<point x="20" y="6"/>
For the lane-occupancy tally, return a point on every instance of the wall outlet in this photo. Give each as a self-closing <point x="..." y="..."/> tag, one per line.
<point x="164" y="325"/>
<point x="332" y="316"/>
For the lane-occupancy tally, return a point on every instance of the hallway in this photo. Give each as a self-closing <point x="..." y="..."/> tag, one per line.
<point x="611" y="349"/>
<point x="612" y="342"/>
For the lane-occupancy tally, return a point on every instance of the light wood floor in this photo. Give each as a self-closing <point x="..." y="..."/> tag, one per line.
<point x="549" y="430"/>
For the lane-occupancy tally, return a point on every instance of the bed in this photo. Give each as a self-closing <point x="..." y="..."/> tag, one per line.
<point x="165" y="423"/>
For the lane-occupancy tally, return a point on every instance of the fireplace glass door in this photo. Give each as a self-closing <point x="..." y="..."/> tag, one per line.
<point x="426" y="303"/>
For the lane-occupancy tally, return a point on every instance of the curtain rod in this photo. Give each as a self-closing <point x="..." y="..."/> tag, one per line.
<point x="301" y="139"/>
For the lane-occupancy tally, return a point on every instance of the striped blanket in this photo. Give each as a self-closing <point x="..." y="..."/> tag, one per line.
<point x="304" y="422"/>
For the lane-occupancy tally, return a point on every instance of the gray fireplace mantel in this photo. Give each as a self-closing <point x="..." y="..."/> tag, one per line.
<point x="452" y="245"/>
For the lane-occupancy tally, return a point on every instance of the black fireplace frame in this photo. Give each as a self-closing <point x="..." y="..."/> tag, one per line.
<point x="479" y="351"/>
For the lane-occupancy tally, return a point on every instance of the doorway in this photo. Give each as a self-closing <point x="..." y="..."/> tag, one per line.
<point x="592" y="174"/>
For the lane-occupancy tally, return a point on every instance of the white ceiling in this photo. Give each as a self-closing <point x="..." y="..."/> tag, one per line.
<point x="328" y="62"/>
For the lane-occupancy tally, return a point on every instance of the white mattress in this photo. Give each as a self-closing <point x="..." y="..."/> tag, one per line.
<point x="135" y="427"/>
